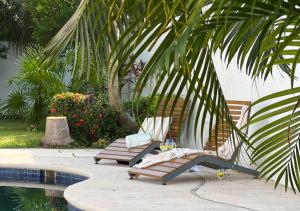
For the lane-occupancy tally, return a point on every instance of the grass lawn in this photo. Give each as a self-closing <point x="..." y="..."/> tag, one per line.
<point x="17" y="134"/>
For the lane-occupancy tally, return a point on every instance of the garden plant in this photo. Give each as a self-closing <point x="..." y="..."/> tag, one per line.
<point x="89" y="117"/>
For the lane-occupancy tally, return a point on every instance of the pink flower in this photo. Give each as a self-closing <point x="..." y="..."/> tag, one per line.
<point x="77" y="124"/>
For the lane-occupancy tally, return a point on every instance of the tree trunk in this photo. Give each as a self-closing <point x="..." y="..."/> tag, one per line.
<point x="115" y="101"/>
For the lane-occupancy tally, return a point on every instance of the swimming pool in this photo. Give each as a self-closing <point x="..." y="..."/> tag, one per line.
<point x="31" y="199"/>
<point x="35" y="199"/>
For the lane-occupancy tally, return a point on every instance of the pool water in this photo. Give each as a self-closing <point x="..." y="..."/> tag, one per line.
<point x="31" y="199"/>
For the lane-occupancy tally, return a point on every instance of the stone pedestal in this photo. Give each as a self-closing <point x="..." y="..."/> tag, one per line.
<point x="57" y="132"/>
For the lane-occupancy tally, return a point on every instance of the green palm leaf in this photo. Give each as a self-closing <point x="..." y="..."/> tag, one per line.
<point x="277" y="143"/>
<point x="16" y="104"/>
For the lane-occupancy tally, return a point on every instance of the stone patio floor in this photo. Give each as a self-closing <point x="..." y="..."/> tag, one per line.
<point x="109" y="188"/>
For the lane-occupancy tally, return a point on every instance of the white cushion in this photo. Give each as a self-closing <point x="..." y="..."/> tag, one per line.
<point x="156" y="127"/>
<point x="137" y="140"/>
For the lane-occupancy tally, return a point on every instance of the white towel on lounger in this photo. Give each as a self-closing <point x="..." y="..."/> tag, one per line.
<point x="165" y="156"/>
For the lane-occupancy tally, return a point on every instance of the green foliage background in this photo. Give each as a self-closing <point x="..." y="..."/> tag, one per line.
<point x="48" y="16"/>
<point x="32" y="21"/>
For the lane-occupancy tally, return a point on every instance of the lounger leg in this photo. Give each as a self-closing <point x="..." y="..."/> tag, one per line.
<point x="133" y="176"/>
<point x="246" y="170"/>
<point x="96" y="160"/>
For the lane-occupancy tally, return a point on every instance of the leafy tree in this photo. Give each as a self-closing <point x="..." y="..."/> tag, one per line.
<point x="48" y="16"/>
<point x="32" y="21"/>
<point x="262" y="34"/>
<point x="15" y="21"/>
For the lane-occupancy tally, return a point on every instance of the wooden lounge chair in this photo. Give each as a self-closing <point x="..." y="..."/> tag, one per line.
<point x="166" y="171"/>
<point x="118" y="150"/>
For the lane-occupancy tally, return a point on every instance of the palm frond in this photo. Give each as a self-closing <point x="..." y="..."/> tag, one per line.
<point x="177" y="63"/>
<point x="90" y="34"/>
<point x="262" y="34"/>
<point x="15" y="105"/>
<point x="277" y="143"/>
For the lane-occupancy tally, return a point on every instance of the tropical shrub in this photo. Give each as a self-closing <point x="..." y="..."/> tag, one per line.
<point x="35" y="84"/>
<point x="89" y="117"/>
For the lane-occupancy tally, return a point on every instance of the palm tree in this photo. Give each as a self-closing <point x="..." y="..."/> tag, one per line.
<point x="184" y="36"/>
<point x="90" y="32"/>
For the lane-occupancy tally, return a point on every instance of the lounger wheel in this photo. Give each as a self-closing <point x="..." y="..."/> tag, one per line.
<point x="164" y="183"/>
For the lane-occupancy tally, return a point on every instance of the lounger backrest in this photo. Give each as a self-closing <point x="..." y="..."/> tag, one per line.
<point x="229" y="150"/>
<point x="157" y="128"/>
<point x="176" y="125"/>
<point x="237" y="111"/>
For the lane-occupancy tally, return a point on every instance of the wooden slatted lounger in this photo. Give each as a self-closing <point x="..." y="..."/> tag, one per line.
<point x="166" y="171"/>
<point x="119" y="152"/>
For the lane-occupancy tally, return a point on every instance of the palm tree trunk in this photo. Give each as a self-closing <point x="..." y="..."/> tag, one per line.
<point x="115" y="101"/>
